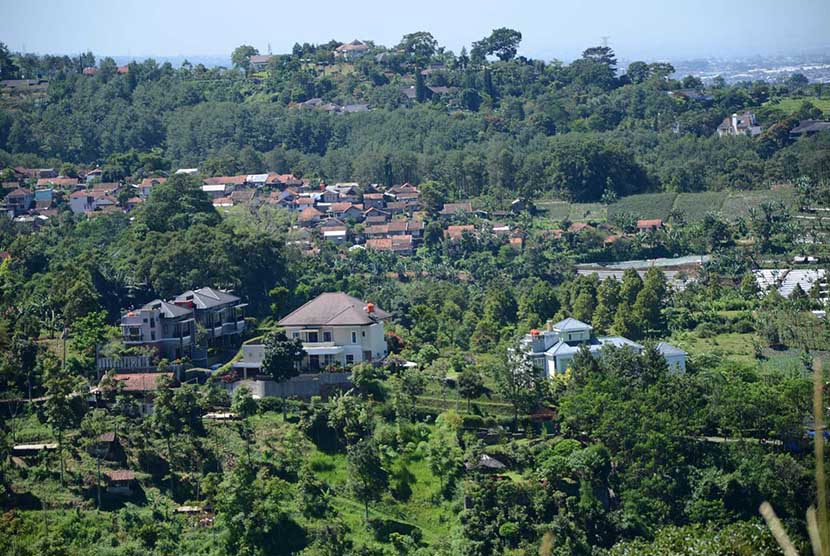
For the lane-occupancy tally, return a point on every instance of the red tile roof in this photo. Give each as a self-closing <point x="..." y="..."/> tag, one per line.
<point x="121" y="475"/>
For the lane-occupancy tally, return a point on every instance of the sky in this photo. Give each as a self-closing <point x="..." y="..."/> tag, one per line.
<point x="646" y="29"/>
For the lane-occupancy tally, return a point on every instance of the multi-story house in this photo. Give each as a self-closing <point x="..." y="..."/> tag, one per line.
<point x="740" y="124"/>
<point x="170" y="327"/>
<point x="553" y="350"/>
<point x="162" y="325"/>
<point x="336" y="328"/>
<point x="218" y="311"/>
<point x="20" y="200"/>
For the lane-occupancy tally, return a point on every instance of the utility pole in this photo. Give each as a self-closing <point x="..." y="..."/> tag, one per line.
<point x="64" y="335"/>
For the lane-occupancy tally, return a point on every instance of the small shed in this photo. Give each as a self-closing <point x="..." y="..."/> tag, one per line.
<point x="485" y="464"/>
<point x="34" y="449"/>
<point x="120" y="482"/>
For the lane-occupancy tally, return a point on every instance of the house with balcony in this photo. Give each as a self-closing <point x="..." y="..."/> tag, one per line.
<point x="336" y="328"/>
<point x="552" y="350"/>
<point x="220" y="312"/>
<point x="162" y="325"/>
<point x="170" y="326"/>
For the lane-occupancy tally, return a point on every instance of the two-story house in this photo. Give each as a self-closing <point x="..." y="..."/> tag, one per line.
<point x="220" y="312"/>
<point x="20" y="200"/>
<point x="337" y="328"/>
<point x="165" y="326"/>
<point x="553" y="350"/>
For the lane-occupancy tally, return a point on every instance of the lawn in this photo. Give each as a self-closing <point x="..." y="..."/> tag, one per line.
<point x="791" y="105"/>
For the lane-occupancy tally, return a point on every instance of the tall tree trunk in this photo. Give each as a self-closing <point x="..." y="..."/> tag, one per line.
<point x="98" y="482"/>
<point x="60" y="452"/>
<point x="170" y="466"/>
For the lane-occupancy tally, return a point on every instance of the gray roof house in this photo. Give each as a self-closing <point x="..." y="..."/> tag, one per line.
<point x="338" y="329"/>
<point x="553" y="350"/>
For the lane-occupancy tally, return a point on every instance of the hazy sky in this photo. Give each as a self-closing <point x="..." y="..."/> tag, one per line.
<point x="551" y="29"/>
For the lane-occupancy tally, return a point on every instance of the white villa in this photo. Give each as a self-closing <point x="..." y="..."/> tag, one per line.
<point x="553" y="350"/>
<point x="335" y="328"/>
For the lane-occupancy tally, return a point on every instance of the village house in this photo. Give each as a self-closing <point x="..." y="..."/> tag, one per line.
<point x="453" y="209"/>
<point x="346" y="211"/>
<point x="89" y="200"/>
<point x="259" y="62"/>
<point x="649" y="225"/>
<point x="63" y="183"/>
<point x="147" y="185"/>
<point x="20" y="200"/>
<point x="351" y="50"/>
<point x="739" y="124"/>
<point x="120" y="482"/>
<point x="374" y="200"/>
<point x="399" y="244"/>
<point x="553" y="350"/>
<point x="309" y="217"/>
<point x="456" y="233"/>
<point x="376" y="216"/>
<point x="218" y="190"/>
<point x="140" y="386"/>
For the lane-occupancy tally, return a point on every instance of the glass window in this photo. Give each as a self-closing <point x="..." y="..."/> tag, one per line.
<point x="354" y="337"/>
<point x="326" y="336"/>
<point x="295" y="334"/>
<point x="349" y="358"/>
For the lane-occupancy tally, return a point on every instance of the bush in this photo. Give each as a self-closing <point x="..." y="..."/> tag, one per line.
<point x="383" y="528"/>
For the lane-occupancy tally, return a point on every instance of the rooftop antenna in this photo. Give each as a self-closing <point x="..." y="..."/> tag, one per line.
<point x="605" y="40"/>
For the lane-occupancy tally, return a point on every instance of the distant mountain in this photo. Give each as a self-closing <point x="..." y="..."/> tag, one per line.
<point x="207" y="60"/>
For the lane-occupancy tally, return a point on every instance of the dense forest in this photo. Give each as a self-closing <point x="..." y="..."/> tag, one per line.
<point x="620" y="455"/>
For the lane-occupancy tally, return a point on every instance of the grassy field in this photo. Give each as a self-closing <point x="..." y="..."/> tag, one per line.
<point x="791" y="105"/>
<point x="649" y="205"/>
<point x="694" y="206"/>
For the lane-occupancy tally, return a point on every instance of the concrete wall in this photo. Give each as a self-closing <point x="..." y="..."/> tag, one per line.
<point x="304" y="386"/>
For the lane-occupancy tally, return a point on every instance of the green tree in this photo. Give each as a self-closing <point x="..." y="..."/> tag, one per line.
<point x="61" y="411"/>
<point x="470" y="385"/>
<point x="177" y="204"/>
<point x="280" y="358"/>
<point x="241" y="55"/>
<point x="367" y="477"/>
<point x="608" y="299"/>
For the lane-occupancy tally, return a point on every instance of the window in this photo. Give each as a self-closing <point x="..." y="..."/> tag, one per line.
<point x="295" y="334"/>
<point x="312" y="337"/>
<point x="327" y="336"/>
<point x="349" y="357"/>
<point x="354" y="337"/>
<point x="152" y="323"/>
<point x="363" y="333"/>
<point x="153" y="335"/>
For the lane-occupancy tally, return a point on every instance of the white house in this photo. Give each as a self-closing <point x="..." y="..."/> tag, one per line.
<point x="553" y="350"/>
<point x="337" y="328"/>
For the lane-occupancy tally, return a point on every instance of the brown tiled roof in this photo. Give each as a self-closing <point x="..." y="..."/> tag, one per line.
<point x="121" y="475"/>
<point x="225" y="180"/>
<point x="310" y="213"/>
<point x="577" y="227"/>
<point x="57" y="181"/>
<point x="150" y="182"/>
<point x="452" y="208"/>
<point x="340" y="207"/>
<point x="19" y="192"/>
<point x="380" y="244"/>
<point x="653" y="223"/>
<point x="140" y="382"/>
<point x="304" y="201"/>
<point x="334" y="309"/>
